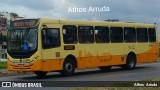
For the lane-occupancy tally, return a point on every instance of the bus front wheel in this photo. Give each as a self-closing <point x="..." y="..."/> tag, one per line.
<point x="40" y="73"/>
<point x="68" y="68"/>
<point x="130" y="62"/>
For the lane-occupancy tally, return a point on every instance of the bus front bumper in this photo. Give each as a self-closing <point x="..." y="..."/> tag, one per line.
<point x="36" y="66"/>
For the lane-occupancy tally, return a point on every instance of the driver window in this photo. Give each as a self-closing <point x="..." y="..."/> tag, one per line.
<point x="50" y="38"/>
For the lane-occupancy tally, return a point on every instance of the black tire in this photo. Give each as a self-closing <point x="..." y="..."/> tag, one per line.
<point x="105" y="68"/>
<point x="130" y="62"/>
<point x="40" y="73"/>
<point x="68" y="68"/>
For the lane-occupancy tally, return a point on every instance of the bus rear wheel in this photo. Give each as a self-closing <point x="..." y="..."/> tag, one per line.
<point x="130" y="62"/>
<point x="68" y="68"/>
<point x="105" y="68"/>
<point x="40" y="73"/>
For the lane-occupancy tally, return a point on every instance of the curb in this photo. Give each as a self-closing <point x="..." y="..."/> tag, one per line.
<point x="12" y="73"/>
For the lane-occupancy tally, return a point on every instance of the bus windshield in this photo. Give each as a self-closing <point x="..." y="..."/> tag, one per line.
<point x="22" y="40"/>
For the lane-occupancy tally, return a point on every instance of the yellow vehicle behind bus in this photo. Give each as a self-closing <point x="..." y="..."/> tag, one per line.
<point x="44" y="45"/>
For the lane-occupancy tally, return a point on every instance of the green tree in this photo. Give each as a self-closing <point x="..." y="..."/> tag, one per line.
<point x="4" y="38"/>
<point x="15" y="15"/>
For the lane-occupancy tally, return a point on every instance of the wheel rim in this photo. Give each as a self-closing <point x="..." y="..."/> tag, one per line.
<point x="131" y="63"/>
<point x="68" y="67"/>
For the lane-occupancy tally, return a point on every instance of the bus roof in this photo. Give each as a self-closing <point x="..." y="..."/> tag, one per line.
<point x="94" y="23"/>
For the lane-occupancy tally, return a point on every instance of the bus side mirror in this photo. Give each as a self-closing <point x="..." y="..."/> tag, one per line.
<point x="44" y="26"/>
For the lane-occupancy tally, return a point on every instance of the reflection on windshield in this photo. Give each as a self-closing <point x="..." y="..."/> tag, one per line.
<point x="22" y="39"/>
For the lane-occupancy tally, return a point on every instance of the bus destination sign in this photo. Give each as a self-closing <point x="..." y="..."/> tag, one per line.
<point x="24" y="23"/>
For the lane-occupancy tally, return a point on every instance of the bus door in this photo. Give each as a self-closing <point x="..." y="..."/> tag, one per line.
<point x="51" y="48"/>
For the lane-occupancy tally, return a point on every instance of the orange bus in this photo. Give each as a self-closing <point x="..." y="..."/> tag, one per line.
<point x="44" y="45"/>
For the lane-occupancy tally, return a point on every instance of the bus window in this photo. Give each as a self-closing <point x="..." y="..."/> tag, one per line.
<point x="116" y="34"/>
<point x="86" y="34"/>
<point x="101" y="34"/>
<point x="129" y="34"/>
<point x="152" y="35"/>
<point x="142" y="35"/>
<point x="50" y="38"/>
<point x="69" y="34"/>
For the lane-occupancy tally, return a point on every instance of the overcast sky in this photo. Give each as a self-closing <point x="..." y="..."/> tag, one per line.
<point x="145" y="11"/>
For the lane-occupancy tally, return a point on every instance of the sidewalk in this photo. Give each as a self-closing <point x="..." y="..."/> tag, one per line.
<point x="5" y="72"/>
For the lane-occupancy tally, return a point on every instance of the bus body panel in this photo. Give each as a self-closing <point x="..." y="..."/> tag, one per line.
<point x="87" y="55"/>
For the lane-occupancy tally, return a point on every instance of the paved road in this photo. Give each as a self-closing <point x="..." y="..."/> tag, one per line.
<point x="142" y="72"/>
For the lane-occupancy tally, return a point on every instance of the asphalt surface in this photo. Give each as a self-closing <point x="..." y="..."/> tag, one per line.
<point x="141" y="72"/>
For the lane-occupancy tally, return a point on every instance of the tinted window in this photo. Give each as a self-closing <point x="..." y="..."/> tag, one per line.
<point x="101" y="34"/>
<point x="86" y="34"/>
<point x="152" y="35"/>
<point x="69" y="34"/>
<point x="116" y="34"/>
<point x="142" y="35"/>
<point x="129" y="34"/>
<point x="50" y="38"/>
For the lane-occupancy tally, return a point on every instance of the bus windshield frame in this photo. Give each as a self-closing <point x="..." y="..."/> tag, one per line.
<point x="22" y="41"/>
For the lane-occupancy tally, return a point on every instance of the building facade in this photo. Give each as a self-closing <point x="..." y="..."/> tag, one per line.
<point x="5" y="18"/>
